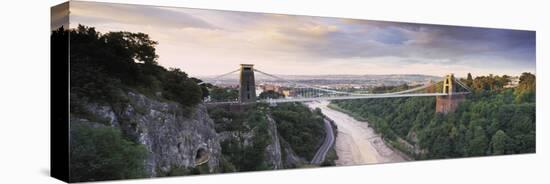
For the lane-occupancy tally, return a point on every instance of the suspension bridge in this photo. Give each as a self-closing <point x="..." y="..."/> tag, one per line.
<point x="452" y="90"/>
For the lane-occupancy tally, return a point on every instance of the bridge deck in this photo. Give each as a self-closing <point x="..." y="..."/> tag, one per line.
<point x="351" y="97"/>
<point x="389" y="95"/>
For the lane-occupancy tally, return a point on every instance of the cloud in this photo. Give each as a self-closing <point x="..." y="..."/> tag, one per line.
<point x="97" y="13"/>
<point x="59" y="16"/>
<point x="429" y="41"/>
<point x="188" y="38"/>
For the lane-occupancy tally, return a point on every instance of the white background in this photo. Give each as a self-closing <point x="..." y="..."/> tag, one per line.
<point x="25" y="84"/>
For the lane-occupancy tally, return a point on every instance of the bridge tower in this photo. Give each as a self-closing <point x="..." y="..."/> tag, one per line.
<point x="449" y="102"/>
<point x="247" y="90"/>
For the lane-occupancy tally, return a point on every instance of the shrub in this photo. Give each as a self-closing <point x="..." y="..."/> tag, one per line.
<point x="101" y="153"/>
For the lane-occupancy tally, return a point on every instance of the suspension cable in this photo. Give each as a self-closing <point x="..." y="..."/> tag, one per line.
<point x="412" y="89"/>
<point x="305" y="85"/>
<point x="463" y="85"/>
<point x="222" y="75"/>
<point x="333" y="91"/>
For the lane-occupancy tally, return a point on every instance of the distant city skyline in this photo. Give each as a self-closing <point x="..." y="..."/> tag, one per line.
<point x="211" y="42"/>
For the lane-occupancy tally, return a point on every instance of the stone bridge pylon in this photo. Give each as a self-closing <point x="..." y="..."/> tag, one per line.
<point x="247" y="89"/>
<point x="448" y="103"/>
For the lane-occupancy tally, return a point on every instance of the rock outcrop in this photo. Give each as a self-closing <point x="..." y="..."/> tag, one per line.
<point x="179" y="137"/>
<point x="273" y="150"/>
<point x="175" y="136"/>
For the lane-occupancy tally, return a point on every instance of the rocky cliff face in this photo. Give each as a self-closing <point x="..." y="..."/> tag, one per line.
<point x="277" y="153"/>
<point x="179" y="137"/>
<point x="273" y="153"/>
<point x="175" y="137"/>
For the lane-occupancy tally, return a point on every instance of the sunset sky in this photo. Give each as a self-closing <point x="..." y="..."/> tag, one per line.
<point x="210" y="42"/>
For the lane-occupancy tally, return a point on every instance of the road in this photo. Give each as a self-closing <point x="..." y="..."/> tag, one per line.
<point x="357" y="143"/>
<point x="327" y="144"/>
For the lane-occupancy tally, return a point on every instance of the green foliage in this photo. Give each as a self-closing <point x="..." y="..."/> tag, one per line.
<point x="225" y="120"/>
<point x="388" y="89"/>
<point x="525" y="92"/>
<point x="302" y="128"/>
<point x="490" y="83"/>
<point x="183" y="171"/>
<point x="245" y="158"/>
<point x="392" y="117"/>
<point x="218" y="94"/>
<point x="490" y="121"/>
<point x="330" y="158"/>
<point x="178" y="87"/>
<point x="236" y="155"/>
<point x="270" y="95"/>
<point x="101" y="153"/>
<point x="478" y="143"/>
<point x="204" y="87"/>
<point x="469" y="80"/>
<point x="226" y="166"/>
<point x="499" y="143"/>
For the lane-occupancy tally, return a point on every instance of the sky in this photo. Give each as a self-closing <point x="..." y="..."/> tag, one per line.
<point x="210" y="42"/>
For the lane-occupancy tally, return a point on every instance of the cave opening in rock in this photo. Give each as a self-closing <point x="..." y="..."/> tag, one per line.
<point x="201" y="156"/>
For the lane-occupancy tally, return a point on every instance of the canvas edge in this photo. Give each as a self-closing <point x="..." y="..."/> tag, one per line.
<point x="59" y="101"/>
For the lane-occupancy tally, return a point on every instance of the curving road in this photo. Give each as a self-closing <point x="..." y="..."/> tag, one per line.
<point x="329" y="140"/>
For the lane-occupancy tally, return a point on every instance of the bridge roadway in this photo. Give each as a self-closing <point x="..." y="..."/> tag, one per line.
<point x="387" y="95"/>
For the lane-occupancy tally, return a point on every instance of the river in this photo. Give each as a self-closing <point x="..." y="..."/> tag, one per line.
<point x="356" y="142"/>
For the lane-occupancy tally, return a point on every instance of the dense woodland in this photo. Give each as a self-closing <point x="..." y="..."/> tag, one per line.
<point x="493" y="120"/>
<point x="301" y="127"/>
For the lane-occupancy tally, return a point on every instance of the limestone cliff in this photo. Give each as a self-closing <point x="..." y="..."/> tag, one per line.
<point x="179" y="138"/>
<point x="273" y="153"/>
<point x="175" y="136"/>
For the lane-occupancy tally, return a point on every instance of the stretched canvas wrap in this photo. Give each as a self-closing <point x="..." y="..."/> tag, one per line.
<point x="150" y="91"/>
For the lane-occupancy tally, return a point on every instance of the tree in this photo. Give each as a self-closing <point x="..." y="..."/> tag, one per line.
<point x="223" y="94"/>
<point x="180" y="88"/>
<point x="525" y="92"/>
<point x="499" y="142"/>
<point x="478" y="143"/>
<point x="204" y="87"/>
<point x="101" y="153"/>
<point x="441" y="147"/>
<point x="137" y="46"/>
<point x="469" y="80"/>
<point x="469" y="131"/>
<point x="302" y="128"/>
<point x="241" y="156"/>
<point x="270" y="94"/>
<point x="105" y="66"/>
